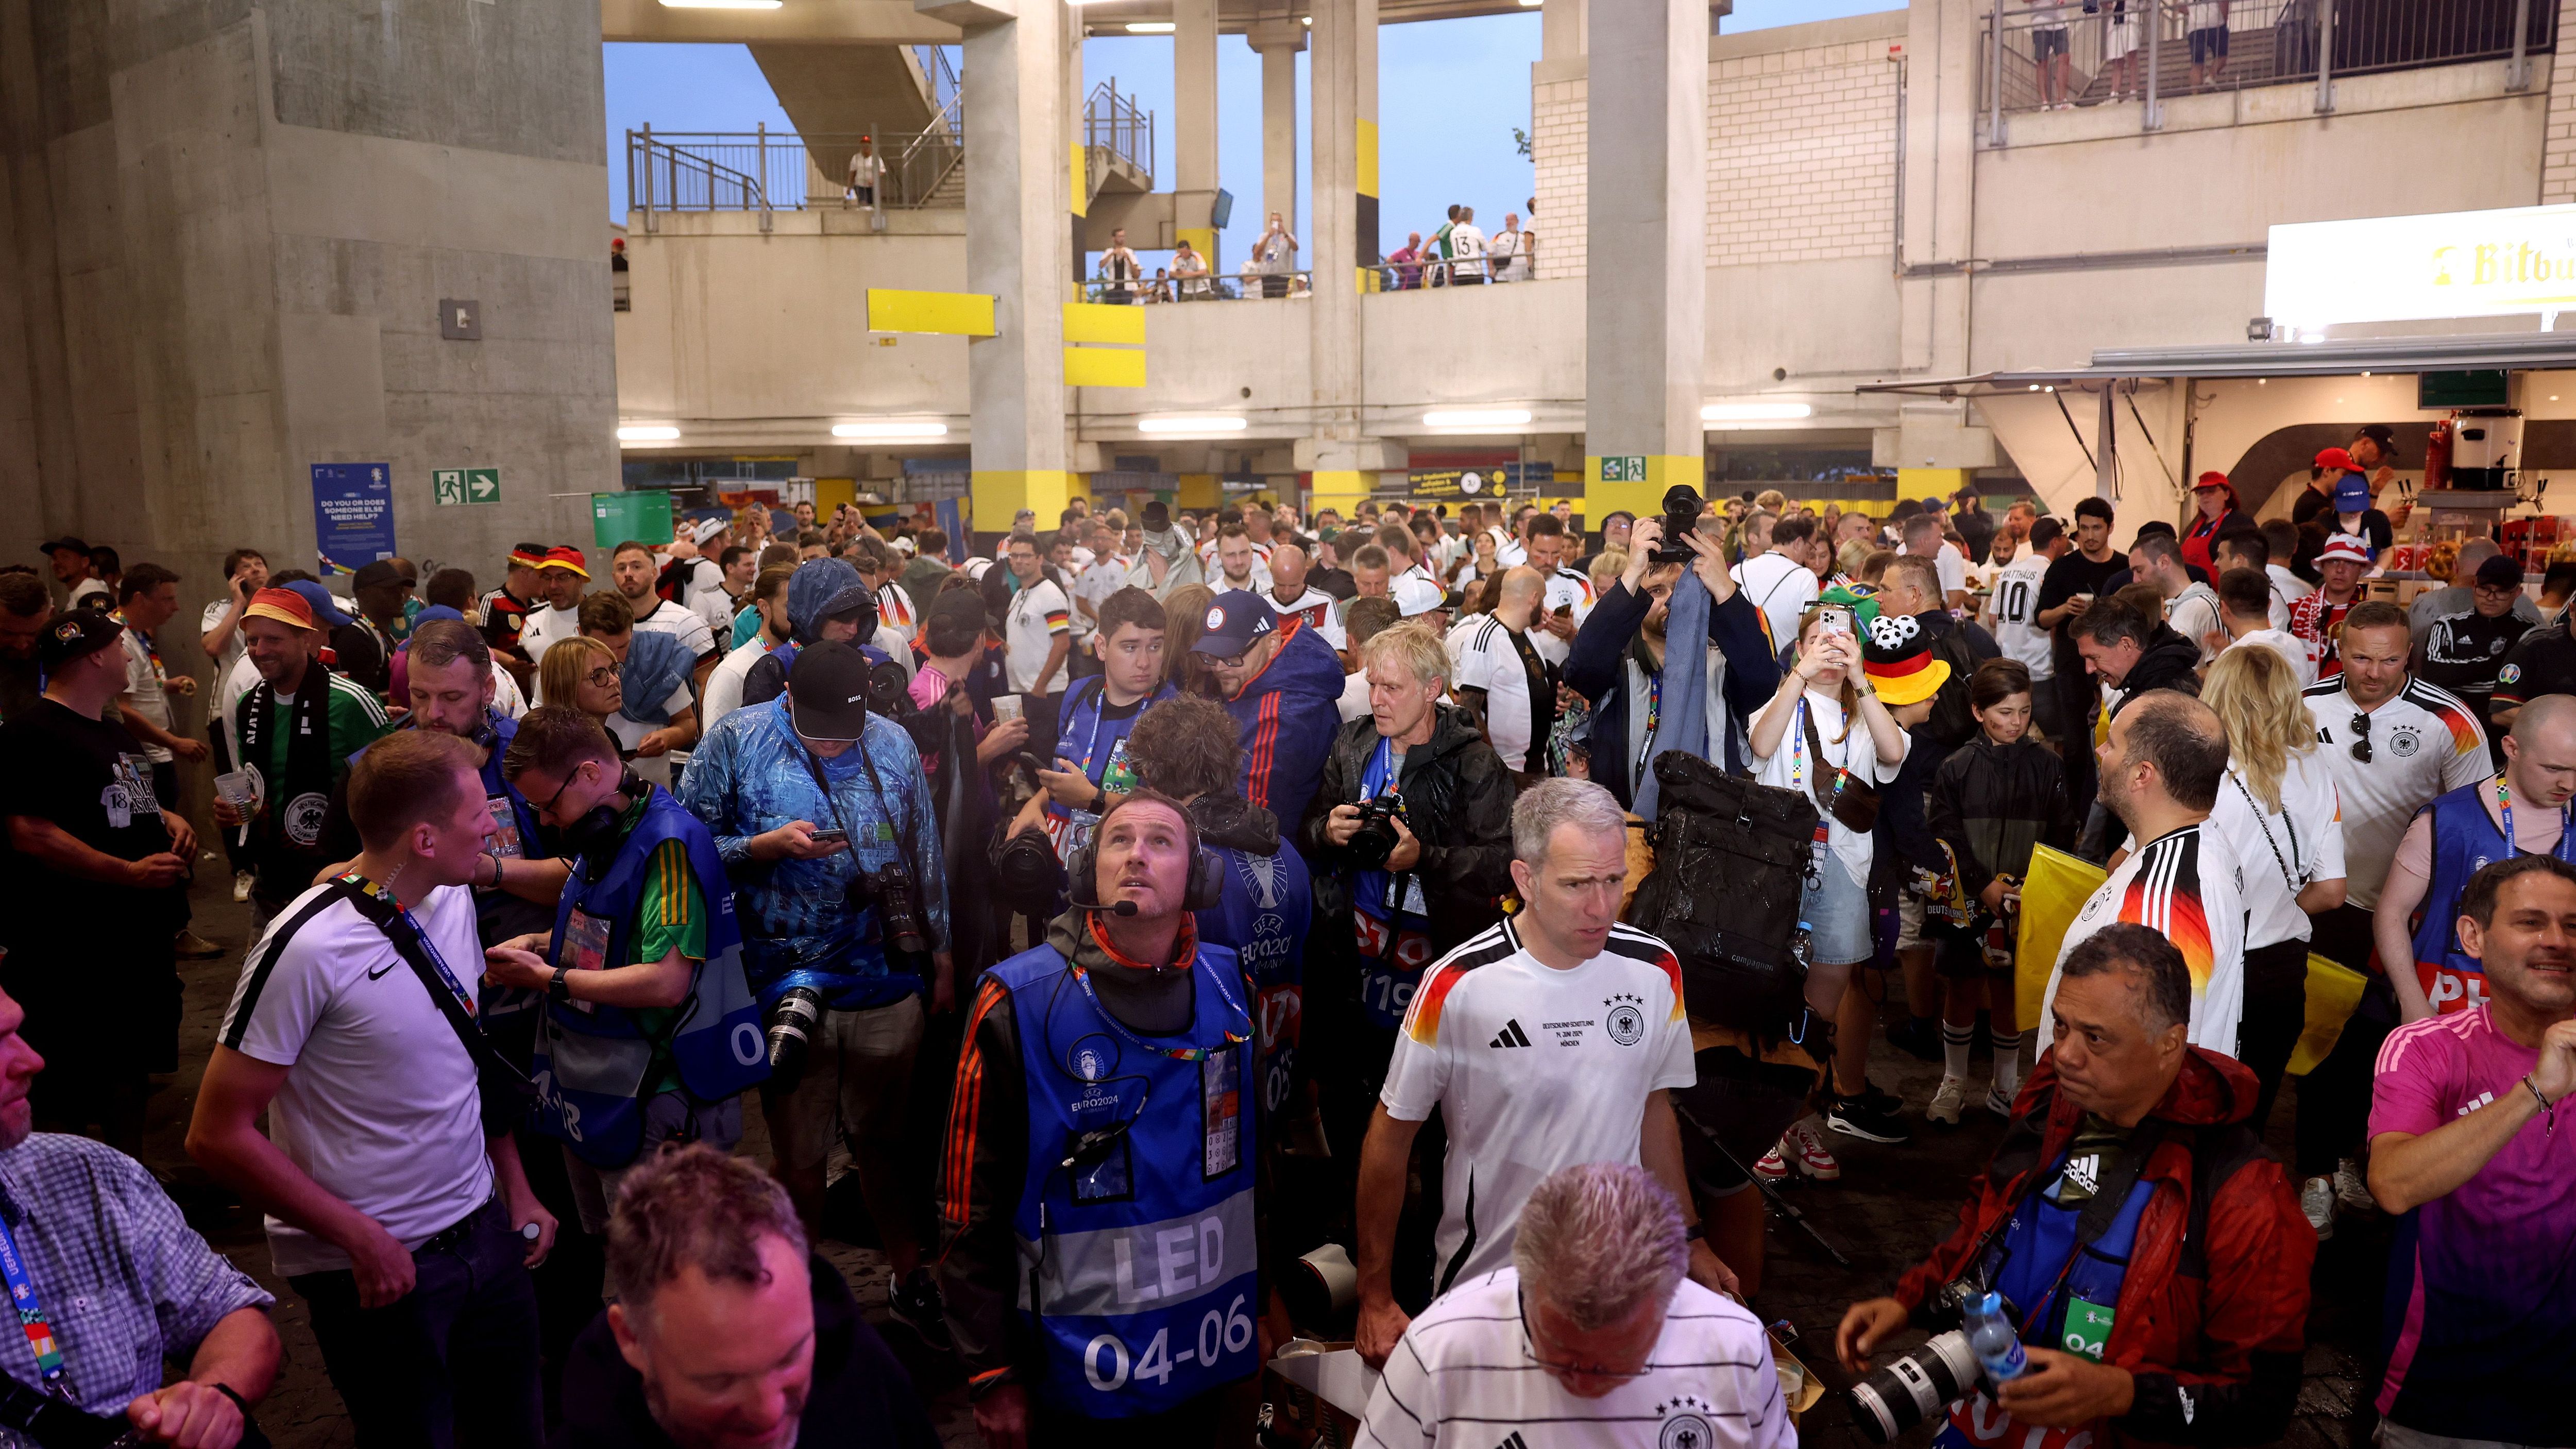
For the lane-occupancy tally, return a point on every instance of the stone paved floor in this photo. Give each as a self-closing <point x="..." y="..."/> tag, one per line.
<point x="1890" y="1206"/>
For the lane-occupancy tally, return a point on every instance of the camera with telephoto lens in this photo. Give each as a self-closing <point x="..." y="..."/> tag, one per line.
<point x="1681" y="515"/>
<point x="889" y="690"/>
<point x="792" y="1023"/>
<point x="1918" y="1384"/>
<point x="897" y="898"/>
<point x="1375" y="838"/>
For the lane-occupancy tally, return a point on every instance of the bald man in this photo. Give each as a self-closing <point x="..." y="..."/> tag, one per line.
<point x="2461" y="831"/>
<point x="1499" y="673"/>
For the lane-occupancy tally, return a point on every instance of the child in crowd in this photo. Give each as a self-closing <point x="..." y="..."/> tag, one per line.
<point x="1991" y="801"/>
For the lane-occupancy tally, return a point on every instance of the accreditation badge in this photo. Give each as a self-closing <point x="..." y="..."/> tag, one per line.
<point x="1221" y="1111"/>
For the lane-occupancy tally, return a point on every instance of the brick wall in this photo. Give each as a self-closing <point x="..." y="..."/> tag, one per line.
<point x="1801" y="157"/>
<point x="2558" y="150"/>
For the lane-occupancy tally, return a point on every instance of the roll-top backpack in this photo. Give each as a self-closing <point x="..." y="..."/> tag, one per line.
<point x="1731" y="862"/>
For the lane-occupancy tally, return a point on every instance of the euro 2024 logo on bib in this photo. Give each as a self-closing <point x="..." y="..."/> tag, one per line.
<point x="1627" y="1019"/>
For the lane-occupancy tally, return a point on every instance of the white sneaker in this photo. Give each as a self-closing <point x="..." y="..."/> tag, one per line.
<point x="2352" y="1189"/>
<point x="1999" y="1102"/>
<point x="1947" y="1099"/>
<point x="242" y="882"/>
<point x="2317" y="1202"/>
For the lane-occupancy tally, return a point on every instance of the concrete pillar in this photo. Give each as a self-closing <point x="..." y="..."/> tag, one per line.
<point x="1017" y="203"/>
<point x="1194" y="106"/>
<point x="224" y="241"/>
<point x="1647" y="204"/>
<point x="1344" y="244"/>
<point x="1942" y="116"/>
<point x="1560" y="29"/>
<point x="1278" y="41"/>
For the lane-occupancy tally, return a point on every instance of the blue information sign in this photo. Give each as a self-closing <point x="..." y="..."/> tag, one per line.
<point x="353" y="514"/>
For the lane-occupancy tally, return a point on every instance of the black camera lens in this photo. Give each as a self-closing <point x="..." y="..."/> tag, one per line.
<point x="792" y="1023"/>
<point x="1682" y="504"/>
<point x="1374" y="840"/>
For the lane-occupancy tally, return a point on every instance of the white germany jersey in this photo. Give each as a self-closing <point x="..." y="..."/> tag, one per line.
<point x="2423" y="742"/>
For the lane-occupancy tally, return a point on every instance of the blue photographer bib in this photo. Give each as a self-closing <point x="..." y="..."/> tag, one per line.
<point x="1139" y="1279"/>
<point x="1394" y="931"/>
<point x="591" y="1059"/>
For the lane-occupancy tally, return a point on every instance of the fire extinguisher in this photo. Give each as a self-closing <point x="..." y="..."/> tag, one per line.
<point x="2437" y="456"/>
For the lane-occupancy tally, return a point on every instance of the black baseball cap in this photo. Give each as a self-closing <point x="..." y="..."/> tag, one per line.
<point x="374" y="573"/>
<point x="2382" y="434"/>
<point x="76" y="635"/>
<point x="2498" y="572"/>
<point x="827" y="691"/>
<point x="65" y="542"/>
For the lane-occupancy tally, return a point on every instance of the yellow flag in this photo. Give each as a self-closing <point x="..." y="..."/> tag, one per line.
<point x="2057" y="887"/>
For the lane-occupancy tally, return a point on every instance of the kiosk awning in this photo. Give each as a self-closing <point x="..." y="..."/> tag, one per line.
<point x="2340" y="357"/>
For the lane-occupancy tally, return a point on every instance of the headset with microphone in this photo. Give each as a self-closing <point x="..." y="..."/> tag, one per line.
<point x="1206" y="889"/>
<point x="594" y="836"/>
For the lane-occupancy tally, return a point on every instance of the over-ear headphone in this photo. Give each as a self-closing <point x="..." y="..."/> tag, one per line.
<point x="1207" y="877"/>
<point x="594" y="836"/>
<point x="485" y="736"/>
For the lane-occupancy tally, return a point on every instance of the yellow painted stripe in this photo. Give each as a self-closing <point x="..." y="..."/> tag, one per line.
<point x="1103" y="322"/>
<point x="1367" y="156"/>
<point x="951" y="314"/>
<point x="1104" y="367"/>
<point x="1338" y="487"/>
<point x="1081" y="194"/>
<point x="1202" y="239"/>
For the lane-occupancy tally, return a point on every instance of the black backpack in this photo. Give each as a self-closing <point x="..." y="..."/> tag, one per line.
<point x="1731" y="862"/>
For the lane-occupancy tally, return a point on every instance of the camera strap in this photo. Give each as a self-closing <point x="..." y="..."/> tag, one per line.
<point x="885" y="803"/>
<point x="506" y="1091"/>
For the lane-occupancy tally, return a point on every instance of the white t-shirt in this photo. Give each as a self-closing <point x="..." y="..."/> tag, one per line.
<point x="1485" y="658"/>
<point x="1106" y="576"/>
<point x="2016" y="615"/>
<point x="2304" y="838"/>
<point x="1315" y="607"/>
<point x="2284" y="643"/>
<point x="2193" y="613"/>
<point x="1532" y="1069"/>
<point x="92" y="594"/>
<point x="1791" y="767"/>
<point x="1038" y="614"/>
<point x="1569" y="589"/>
<point x="1355" y="696"/>
<point x="685" y="625"/>
<point x="234" y="647"/>
<point x="725" y="681"/>
<point x="2186" y="887"/>
<point x="1781" y="588"/>
<point x="2287" y="585"/>
<point x="865" y="168"/>
<point x="1464" y="1377"/>
<point x="379" y="1106"/>
<point x="1952" y="566"/>
<point x="2424" y="742"/>
<point x="895" y="611"/>
<point x="1466" y="243"/>
<point x="545" y="625"/>
<point x="144" y="693"/>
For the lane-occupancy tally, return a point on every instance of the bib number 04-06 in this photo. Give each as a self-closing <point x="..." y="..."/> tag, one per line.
<point x="1219" y="1334"/>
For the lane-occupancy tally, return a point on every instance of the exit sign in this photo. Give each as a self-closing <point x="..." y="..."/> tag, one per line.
<point x="1630" y="469"/>
<point x="453" y="486"/>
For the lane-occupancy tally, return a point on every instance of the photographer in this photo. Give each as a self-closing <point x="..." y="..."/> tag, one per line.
<point x="648" y="1032"/>
<point x="1073" y="1139"/>
<point x="826" y="827"/>
<point x="827" y="602"/>
<point x="1618" y="662"/>
<point x="99" y="1246"/>
<point x="2129" y="1211"/>
<point x="1422" y="877"/>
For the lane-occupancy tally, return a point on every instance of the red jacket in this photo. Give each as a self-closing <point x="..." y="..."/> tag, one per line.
<point x="2203" y="532"/>
<point x="2212" y="1329"/>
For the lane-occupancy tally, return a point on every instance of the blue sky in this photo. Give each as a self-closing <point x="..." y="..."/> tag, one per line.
<point x="1450" y="93"/>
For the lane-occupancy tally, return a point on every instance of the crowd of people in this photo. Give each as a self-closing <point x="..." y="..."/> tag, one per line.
<point x="1147" y="905"/>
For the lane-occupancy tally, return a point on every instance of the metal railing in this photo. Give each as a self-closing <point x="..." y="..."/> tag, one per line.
<point x="1116" y="125"/>
<point x="768" y="171"/>
<point x="2057" y="54"/>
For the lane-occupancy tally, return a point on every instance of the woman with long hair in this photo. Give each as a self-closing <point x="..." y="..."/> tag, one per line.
<point x="2278" y="806"/>
<point x="581" y="673"/>
<point x="1826" y="727"/>
<point x="1186" y="607"/>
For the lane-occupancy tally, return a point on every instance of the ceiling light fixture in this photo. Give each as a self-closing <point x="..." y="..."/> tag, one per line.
<point x="1476" y="418"/>
<point x="1756" y="412"/>
<point x="654" y="434"/>
<point x="1189" y="423"/>
<point x="721" y="4"/>
<point x="890" y="431"/>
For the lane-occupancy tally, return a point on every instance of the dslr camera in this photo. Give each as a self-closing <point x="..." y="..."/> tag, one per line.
<point x="1916" y="1385"/>
<point x="1375" y="839"/>
<point x="896" y="895"/>
<point x="1681" y="515"/>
